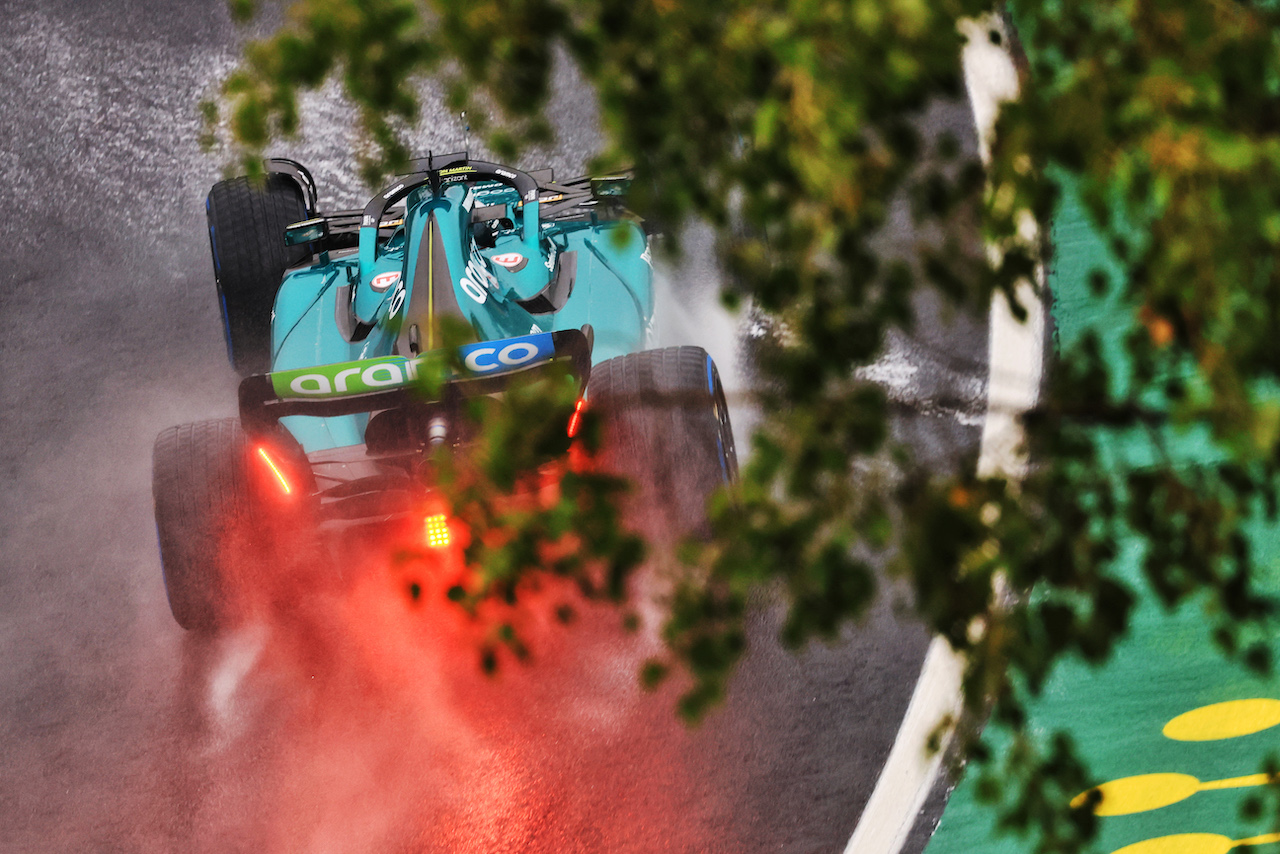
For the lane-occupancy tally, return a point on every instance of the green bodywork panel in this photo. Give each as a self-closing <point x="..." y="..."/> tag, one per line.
<point x="326" y="313"/>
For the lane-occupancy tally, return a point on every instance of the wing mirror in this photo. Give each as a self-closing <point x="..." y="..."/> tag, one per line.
<point x="307" y="231"/>
<point x="612" y="186"/>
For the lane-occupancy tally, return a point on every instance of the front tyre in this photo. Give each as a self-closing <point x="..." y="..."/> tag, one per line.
<point x="666" y="429"/>
<point x="247" y="220"/>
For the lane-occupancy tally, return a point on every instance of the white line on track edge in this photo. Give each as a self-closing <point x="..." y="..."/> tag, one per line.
<point x="1013" y="386"/>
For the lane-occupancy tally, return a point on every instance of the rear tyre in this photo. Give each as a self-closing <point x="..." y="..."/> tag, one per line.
<point x="666" y="429"/>
<point x="226" y="526"/>
<point x="246" y="233"/>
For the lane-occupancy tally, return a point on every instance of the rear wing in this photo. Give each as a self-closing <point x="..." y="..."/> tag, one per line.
<point x="389" y="382"/>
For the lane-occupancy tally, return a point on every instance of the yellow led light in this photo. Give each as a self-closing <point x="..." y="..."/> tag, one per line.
<point x="436" y="530"/>
<point x="284" y="483"/>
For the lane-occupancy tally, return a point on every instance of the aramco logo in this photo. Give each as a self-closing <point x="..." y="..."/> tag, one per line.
<point x="373" y="375"/>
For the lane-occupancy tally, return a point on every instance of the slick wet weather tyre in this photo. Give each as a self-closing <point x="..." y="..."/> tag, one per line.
<point x="666" y="429"/>
<point x="247" y="220"/>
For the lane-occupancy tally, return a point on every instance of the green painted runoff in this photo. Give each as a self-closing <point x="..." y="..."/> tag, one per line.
<point x="1120" y="715"/>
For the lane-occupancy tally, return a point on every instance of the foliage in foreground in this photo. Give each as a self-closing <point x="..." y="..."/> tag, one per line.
<point x="788" y="125"/>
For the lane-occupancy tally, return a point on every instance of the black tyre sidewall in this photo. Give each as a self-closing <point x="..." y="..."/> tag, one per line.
<point x="666" y="429"/>
<point x="246" y="235"/>
<point x="223" y="540"/>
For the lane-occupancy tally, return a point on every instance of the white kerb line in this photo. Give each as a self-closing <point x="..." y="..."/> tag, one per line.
<point x="1013" y="387"/>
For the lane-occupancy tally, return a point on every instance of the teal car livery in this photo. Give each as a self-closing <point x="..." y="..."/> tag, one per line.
<point x="330" y="317"/>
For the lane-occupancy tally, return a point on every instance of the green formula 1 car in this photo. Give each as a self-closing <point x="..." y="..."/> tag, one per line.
<point x="330" y="317"/>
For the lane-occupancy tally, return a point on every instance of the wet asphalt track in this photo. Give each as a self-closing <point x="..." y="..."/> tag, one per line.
<point x="363" y="727"/>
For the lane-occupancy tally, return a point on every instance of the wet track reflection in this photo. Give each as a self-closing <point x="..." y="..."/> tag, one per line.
<point x="363" y="722"/>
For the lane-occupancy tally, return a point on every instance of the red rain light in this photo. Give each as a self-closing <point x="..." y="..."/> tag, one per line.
<point x="436" y="530"/>
<point x="275" y="469"/>
<point x="575" y="420"/>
